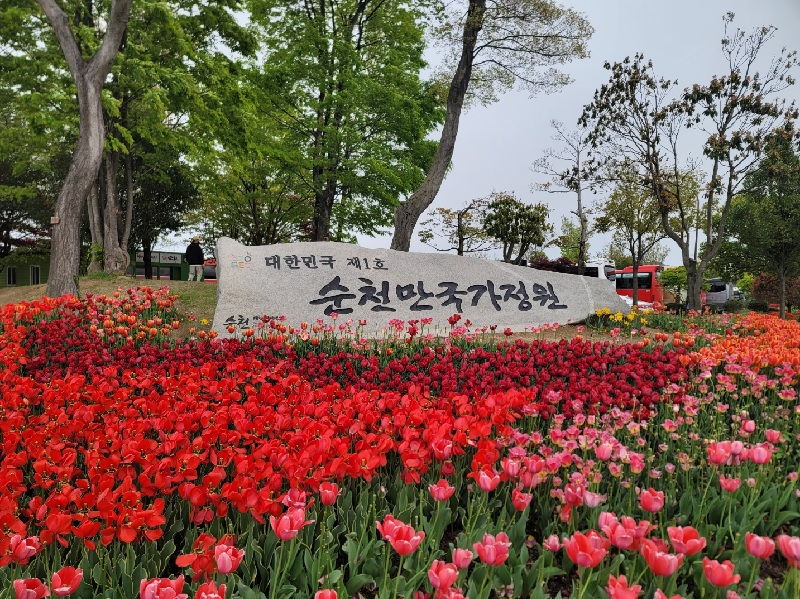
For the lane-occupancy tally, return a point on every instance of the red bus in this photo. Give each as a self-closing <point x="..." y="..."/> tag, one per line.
<point x="649" y="287"/>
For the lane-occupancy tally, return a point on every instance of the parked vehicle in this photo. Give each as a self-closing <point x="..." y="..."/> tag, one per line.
<point x="605" y="270"/>
<point x="650" y="290"/>
<point x="718" y="293"/>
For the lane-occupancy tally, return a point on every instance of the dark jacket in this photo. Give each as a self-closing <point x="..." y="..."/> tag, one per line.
<point x="194" y="254"/>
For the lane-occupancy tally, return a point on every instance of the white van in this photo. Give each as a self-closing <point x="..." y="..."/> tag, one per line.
<point x="718" y="293"/>
<point x="605" y="270"/>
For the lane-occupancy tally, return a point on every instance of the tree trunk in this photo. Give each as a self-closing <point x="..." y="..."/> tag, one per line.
<point x="693" y="286"/>
<point x="115" y="260"/>
<point x="65" y="253"/>
<point x="782" y="290"/>
<point x="95" y="228"/>
<point x="89" y="78"/>
<point x="147" y="250"/>
<point x="407" y="213"/>
<point x="126" y="232"/>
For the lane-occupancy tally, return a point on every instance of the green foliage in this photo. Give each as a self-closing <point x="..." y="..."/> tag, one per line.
<point x="462" y="230"/>
<point x="518" y="226"/>
<point x="345" y="107"/>
<point x="569" y="242"/>
<point x="745" y="284"/>
<point x="632" y="214"/>
<point x="673" y="279"/>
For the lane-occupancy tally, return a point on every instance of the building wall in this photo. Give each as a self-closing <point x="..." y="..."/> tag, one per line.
<point x="23" y="273"/>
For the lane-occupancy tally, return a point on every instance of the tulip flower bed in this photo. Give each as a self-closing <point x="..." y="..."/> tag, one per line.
<point x="305" y="462"/>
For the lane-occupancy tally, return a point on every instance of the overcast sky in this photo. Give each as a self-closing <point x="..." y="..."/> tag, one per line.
<point x="496" y="145"/>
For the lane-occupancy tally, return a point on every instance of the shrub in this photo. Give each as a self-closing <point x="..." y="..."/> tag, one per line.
<point x="733" y="306"/>
<point x="758" y="306"/>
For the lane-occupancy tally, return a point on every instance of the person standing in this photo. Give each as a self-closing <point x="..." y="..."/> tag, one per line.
<point x="194" y="257"/>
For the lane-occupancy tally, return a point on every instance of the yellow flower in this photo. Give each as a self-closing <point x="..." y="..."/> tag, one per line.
<point x="204" y="321"/>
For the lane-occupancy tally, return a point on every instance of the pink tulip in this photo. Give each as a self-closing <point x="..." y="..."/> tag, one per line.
<point x="488" y="481"/>
<point x="162" y="588"/>
<point x="209" y="590"/>
<point x="401" y="536"/>
<point x="441" y="491"/>
<point x="328" y="492"/>
<point x="462" y="558"/>
<point x="288" y="525"/>
<point x="493" y="551"/>
<point x="30" y="588"/>
<point x="228" y="558"/>
<point x="760" y="547"/>
<point x="442" y="575"/>
<point x="651" y="500"/>
<point x="618" y="588"/>
<point x="720" y="574"/>
<point x="686" y="539"/>
<point x="790" y="548"/>
<point x="660" y="562"/>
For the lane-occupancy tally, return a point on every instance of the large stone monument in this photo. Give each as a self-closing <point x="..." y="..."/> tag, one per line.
<point x="309" y="281"/>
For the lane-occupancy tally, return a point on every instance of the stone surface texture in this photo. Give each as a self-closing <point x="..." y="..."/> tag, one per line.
<point x="313" y="280"/>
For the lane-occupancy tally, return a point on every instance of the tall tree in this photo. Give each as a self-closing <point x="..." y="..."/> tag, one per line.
<point x="633" y="215"/>
<point x="634" y="117"/>
<point x="89" y="74"/>
<point x="160" y="94"/>
<point x="516" y="225"/>
<point x="567" y="169"/>
<point x="765" y="219"/>
<point x="462" y="230"/>
<point x="572" y="242"/>
<point x="499" y="42"/>
<point x="347" y="101"/>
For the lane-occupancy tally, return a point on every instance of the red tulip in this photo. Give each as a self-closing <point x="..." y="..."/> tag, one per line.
<point x="582" y="551"/>
<point x="162" y="588"/>
<point x="493" y="551"/>
<point x="662" y="595"/>
<point x="660" y="562"/>
<point x="441" y="491"/>
<point x="686" y="539"/>
<point x="288" y="525"/>
<point x="401" y="536"/>
<point x="790" y="548"/>
<point x="760" y="547"/>
<point x="442" y="575"/>
<point x="651" y="500"/>
<point x="326" y="594"/>
<point x="520" y="500"/>
<point x="720" y="574"/>
<point x="228" y="558"/>
<point x="66" y="581"/>
<point x="30" y="588"/>
<point x="731" y="485"/>
<point x="617" y="588"/>
<point x="209" y="590"/>
<point x="328" y="493"/>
